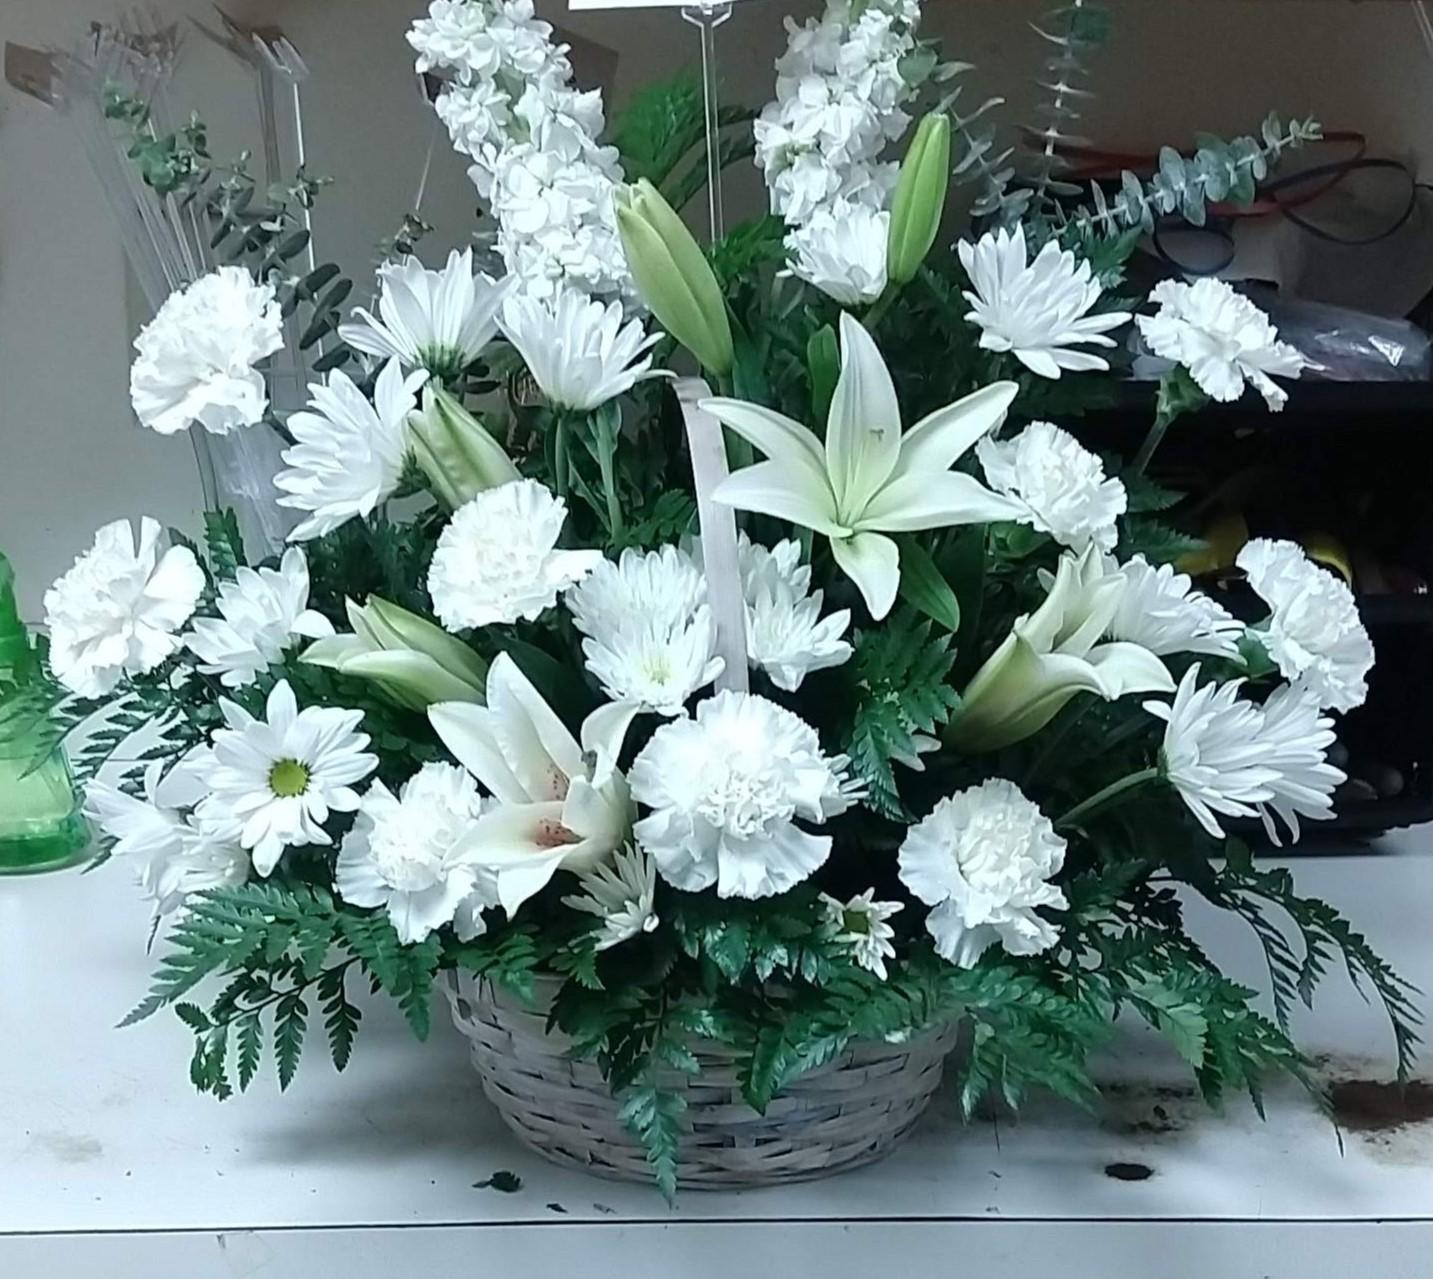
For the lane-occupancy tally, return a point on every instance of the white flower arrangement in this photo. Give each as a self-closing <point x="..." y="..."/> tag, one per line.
<point x="493" y="715"/>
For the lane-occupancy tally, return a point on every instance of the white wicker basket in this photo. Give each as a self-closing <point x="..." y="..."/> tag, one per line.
<point x="848" y="1113"/>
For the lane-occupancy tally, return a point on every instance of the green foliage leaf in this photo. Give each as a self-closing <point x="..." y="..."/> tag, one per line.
<point x="1157" y="542"/>
<point x="924" y="587"/>
<point x="290" y="1022"/>
<point x="654" y="1118"/>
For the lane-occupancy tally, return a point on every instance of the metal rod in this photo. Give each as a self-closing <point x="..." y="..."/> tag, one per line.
<point x="707" y="17"/>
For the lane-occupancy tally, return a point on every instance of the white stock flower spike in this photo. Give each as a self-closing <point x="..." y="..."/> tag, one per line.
<point x="1162" y="612"/>
<point x="1038" y="311"/>
<point x="622" y="895"/>
<point x="497" y="561"/>
<point x="726" y="790"/>
<point x="860" y="925"/>
<point x="117" y="611"/>
<point x="1315" y="635"/>
<point x="866" y="480"/>
<point x="578" y="350"/>
<point x="274" y="782"/>
<point x="1222" y="338"/>
<point x="196" y="361"/>
<point x="561" y="805"/>
<point x="984" y="859"/>
<point x="348" y="455"/>
<point x="435" y="320"/>
<point x="403" y="853"/>
<point x="261" y="613"/>
<point x="1060" y="484"/>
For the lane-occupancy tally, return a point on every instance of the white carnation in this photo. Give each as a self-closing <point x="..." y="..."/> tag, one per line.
<point x="726" y="790"/>
<point x="196" y="360"/>
<point x="497" y="561"/>
<point x="983" y="859"/>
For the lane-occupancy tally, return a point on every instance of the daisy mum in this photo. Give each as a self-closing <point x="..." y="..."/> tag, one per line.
<point x="196" y="360"/>
<point x="404" y="851"/>
<point x="1161" y="611"/>
<point x="261" y="612"/>
<point x="726" y="790"/>
<point x="273" y="782"/>
<point x="1039" y="311"/>
<point x="497" y="561"/>
<point x="1059" y="482"/>
<point x="983" y="859"/>
<point x="860" y="926"/>
<point x="786" y="636"/>
<point x="117" y="611"/>
<point x="1315" y="635"/>
<point x="622" y="895"/>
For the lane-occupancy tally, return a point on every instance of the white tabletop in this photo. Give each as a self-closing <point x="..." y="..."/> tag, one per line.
<point x="110" y="1163"/>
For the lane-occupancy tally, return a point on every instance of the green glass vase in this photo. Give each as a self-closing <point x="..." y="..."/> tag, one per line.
<point x="41" y="826"/>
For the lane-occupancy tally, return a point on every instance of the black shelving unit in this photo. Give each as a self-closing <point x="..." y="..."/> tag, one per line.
<point x="1353" y="461"/>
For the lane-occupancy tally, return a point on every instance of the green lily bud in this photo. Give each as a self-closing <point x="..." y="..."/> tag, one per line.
<point x="455" y="451"/>
<point x="413" y="661"/>
<point x="673" y="276"/>
<point x="919" y="201"/>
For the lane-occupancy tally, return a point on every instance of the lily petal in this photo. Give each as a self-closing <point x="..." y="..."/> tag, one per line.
<point x="516" y="842"/>
<point x="940" y="500"/>
<point x="937" y="442"/>
<point x="781" y="438"/>
<point x="863" y="431"/>
<point x="1128" y="668"/>
<point x="468" y="733"/>
<point x="603" y="733"/>
<point x="873" y="562"/>
<point x="788" y="493"/>
<point x="540" y="748"/>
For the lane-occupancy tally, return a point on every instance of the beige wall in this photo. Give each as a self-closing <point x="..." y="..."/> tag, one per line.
<point x="70" y="457"/>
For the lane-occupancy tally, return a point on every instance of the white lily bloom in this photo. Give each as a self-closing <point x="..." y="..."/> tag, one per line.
<point x="561" y="805"/>
<point x="983" y="859"/>
<point x="1162" y="612"/>
<point x="403" y="852"/>
<point x="1222" y="338"/>
<point x="866" y="480"/>
<point x="1229" y="757"/>
<point x="1038" y="311"/>
<point x="726" y="789"/>
<point x="1053" y="654"/>
<point x="1315" y="636"/>
<point x="842" y="251"/>
<point x="860" y="926"/>
<point x="273" y="782"/>
<point x="786" y="636"/>
<point x="196" y="360"/>
<point x="173" y="857"/>
<point x="497" y="560"/>
<point x="622" y="895"/>
<point x="436" y="320"/>
<point x="348" y="455"/>
<point x="118" y="609"/>
<point x="260" y="613"/>
<point x="578" y="350"/>
<point x="1060" y="483"/>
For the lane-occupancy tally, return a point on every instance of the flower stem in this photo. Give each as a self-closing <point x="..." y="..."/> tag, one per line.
<point x="880" y="306"/>
<point x="559" y="454"/>
<point x="609" y="488"/>
<point x="1162" y="422"/>
<point x="1112" y="792"/>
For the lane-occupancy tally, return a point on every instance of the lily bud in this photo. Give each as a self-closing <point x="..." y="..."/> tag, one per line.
<point x="413" y="661"/>
<point x="673" y="276"/>
<point x="919" y="200"/>
<point x="455" y="451"/>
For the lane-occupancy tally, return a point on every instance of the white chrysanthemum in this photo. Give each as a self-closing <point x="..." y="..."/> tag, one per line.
<point x="786" y="636"/>
<point x="622" y="895"/>
<point x="117" y="610"/>
<point x="274" y="782"/>
<point x="1222" y="338"/>
<point x="650" y="636"/>
<point x="578" y="350"/>
<point x="1315" y="635"/>
<point x="260" y="613"/>
<point x="437" y="320"/>
<point x="860" y="925"/>
<point x="842" y="251"/>
<point x="1039" y="310"/>
<point x="497" y="561"/>
<point x="173" y="857"/>
<point x="983" y="859"/>
<point x="1059" y="482"/>
<point x="349" y="454"/>
<point x="726" y="790"/>
<point x="1297" y="736"/>
<point x="1160" y="611"/>
<point x="404" y="852"/>
<point x="196" y="359"/>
